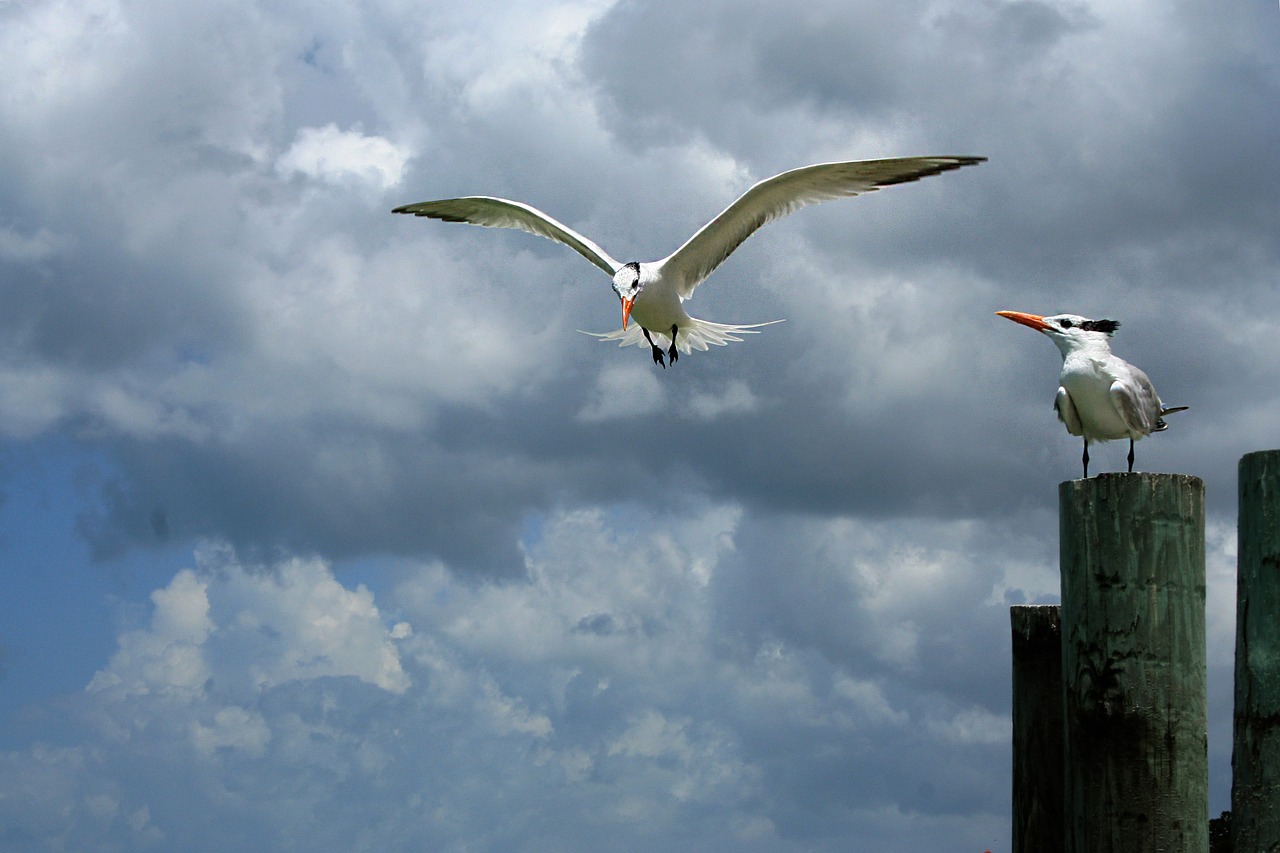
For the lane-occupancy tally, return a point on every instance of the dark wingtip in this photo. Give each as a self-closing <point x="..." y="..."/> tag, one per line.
<point x="416" y="210"/>
<point x="933" y="169"/>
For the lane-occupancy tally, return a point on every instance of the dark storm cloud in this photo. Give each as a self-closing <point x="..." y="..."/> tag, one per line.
<point x="284" y="494"/>
<point x="1115" y="142"/>
<point x="95" y="311"/>
<point x="725" y="67"/>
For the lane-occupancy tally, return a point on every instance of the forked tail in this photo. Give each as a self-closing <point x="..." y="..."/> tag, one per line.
<point x="1160" y="424"/>
<point x="697" y="335"/>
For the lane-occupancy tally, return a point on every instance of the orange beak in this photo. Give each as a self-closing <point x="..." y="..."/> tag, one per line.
<point x="1033" y="321"/>
<point x="626" y="312"/>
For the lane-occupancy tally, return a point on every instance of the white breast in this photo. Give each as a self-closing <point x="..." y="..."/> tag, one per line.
<point x="1089" y="383"/>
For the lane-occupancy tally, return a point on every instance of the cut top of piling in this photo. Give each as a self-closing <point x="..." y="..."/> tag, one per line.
<point x="1133" y="518"/>
<point x="1119" y="484"/>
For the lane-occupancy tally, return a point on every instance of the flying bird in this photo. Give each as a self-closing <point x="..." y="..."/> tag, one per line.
<point x="652" y="292"/>
<point x="1100" y="396"/>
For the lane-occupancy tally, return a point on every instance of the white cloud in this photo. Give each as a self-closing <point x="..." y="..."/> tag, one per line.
<point x="623" y="390"/>
<point x="974" y="725"/>
<point x="595" y="688"/>
<point x="59" y="50"/>
<point x="237" y="633"/>
<point x="234" y="728"/>
<point x="868" y="701"/>
<point x="650" y="735"/>
<point x="632" y="390"/>
<point x="501" y="54"/>
<point x="167" y="659"/>
<point x="32" y="399"/>
<point x="735" y="398"/>
<point x="335" y="156"/>
<point x="509" y="716"/>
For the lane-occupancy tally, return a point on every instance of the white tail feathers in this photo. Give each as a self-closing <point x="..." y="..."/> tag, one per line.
<point x="698" y="335"/>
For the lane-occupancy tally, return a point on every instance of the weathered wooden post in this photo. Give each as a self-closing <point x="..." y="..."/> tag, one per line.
<point x="1255" y="757"/>
<point x="1133" y="664"/>
<point x="1037" y="729"/>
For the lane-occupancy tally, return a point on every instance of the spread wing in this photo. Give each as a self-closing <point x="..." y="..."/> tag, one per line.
<point x="786" y="193"/>
<point x="504" y="213"/>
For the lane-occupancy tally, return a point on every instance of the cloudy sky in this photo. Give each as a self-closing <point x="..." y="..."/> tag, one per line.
<point x="325" y="529"/>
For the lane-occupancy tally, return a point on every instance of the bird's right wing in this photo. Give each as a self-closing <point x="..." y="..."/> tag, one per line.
<point x="1066" y="409"/>
<point x="783" y="194"/>
<point x="504" y="213"/>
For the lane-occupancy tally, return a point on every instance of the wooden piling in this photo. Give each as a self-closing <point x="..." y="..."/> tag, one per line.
<point x="1255" y="756"/>
<point x="1133" y="668"/>
<point x="1037" y="729"/>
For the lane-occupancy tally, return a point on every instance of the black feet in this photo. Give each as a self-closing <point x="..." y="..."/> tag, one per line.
<point x="1131" y="456"/>
<point x="672" y="352"/>
<point x="657" y="353"/>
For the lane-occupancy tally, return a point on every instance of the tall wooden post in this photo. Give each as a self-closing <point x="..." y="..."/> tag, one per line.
<point x="1255" y="757"/>
<point x="1133" y="664"/>
<point x="1037" y="729"/>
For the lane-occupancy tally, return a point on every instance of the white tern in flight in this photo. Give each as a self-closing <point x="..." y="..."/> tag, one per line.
<point x="652" y="293"/>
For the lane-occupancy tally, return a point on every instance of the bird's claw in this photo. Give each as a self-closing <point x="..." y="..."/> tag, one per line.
<point x="657" y="353"/>
<point x="672" y="352"/>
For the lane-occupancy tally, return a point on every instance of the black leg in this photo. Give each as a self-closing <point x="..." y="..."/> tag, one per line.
<point x="673" y="353"/>
<point x="1086" y="458"/>
<point x="657" y="353"/>
<point x="1131" y="456"/>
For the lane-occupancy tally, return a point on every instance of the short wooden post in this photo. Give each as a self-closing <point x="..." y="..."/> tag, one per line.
<point x="1255" y="757"/>
<point x="1133" y="664"/>
<point x="1037" y="729"/>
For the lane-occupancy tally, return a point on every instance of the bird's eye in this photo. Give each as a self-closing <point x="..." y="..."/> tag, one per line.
<point x="1066" y="324"/>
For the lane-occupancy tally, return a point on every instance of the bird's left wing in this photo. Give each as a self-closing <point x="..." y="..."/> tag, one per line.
<point x="1137" y="403"/>
<point x="783" y="194"/>
<point x="504" y="213"/>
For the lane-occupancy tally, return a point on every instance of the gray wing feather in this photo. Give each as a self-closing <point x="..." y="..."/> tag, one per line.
<point x="785" y="193"/>
<point x="1138" y="406"/>
<point x="504" y="213"/>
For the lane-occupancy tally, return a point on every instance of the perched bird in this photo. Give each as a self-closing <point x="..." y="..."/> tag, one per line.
<point x="1101" y="396"/>
<point x="652" y="292"/>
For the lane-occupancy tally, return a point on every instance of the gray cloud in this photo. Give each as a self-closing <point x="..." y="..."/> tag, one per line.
<point x="205" y="294"/>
